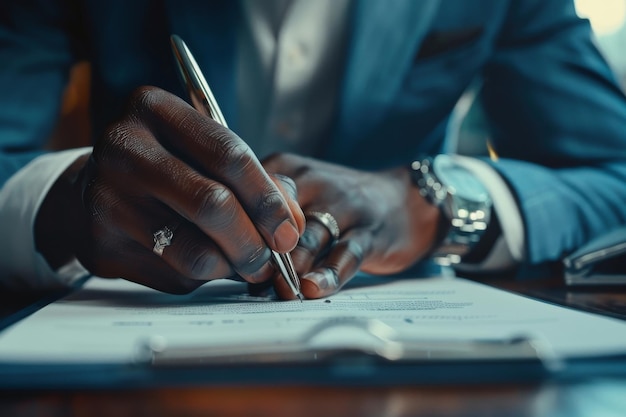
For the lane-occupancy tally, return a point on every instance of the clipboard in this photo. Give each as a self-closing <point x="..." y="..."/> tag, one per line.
<point x="513" y="361"/>
<point x="425" y="363"/>
<point x="386" y="359"/>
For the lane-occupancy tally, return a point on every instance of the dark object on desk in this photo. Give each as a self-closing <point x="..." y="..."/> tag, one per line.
<point x="600" y="262"/>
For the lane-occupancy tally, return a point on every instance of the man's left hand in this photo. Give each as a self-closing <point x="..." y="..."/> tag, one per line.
<point x="385" y="224"/>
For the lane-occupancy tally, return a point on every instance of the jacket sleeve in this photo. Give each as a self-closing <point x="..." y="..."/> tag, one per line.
<point x="558" y="125"/>
<point x="36" y="52"/>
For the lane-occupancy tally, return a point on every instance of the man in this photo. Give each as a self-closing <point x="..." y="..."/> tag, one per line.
<point x="170" y="199"/>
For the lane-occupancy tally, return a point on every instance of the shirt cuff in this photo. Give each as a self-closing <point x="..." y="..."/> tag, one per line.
<point x="21" y="265"/>
<point x="509" y="249"/>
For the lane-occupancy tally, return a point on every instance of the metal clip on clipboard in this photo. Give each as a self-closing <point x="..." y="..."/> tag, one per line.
<point x="157" y="353"/>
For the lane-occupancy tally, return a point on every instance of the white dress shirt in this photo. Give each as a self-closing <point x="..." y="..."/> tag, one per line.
<point x="290" y="65"/>
<point x="21" y="266"/>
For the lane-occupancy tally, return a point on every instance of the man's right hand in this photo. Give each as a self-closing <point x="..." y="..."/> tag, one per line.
<point x="163" y="164"/>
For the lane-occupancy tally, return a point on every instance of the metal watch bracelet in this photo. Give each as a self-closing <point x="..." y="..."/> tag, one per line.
<point x="464" y="221"/>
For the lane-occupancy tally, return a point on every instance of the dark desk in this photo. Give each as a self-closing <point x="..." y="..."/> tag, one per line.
<point x="590" y="397"/>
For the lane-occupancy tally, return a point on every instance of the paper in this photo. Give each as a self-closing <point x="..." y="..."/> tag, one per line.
<point x="107" y="320"/>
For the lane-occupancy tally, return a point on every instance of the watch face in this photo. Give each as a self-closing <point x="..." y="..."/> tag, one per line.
<point x="459" y="180"/>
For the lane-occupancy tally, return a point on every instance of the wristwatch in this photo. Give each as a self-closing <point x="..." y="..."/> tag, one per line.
<point x="464" y="203"/>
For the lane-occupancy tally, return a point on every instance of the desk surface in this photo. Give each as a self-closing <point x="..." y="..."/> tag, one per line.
<point x="597" y="397"/>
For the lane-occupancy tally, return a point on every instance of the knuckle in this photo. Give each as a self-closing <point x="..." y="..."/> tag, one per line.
<point x="272" y="200"/>
<point x="144" y="98"/>
<point x="113" y="143"/>
<point x="153" y="105"/>
<point x="310" y="242"/>
<point x="350" y="254"/>
<point x="355" y="249"/>
<point x="139" y="161"/>
<point x="235" y="156"/>
<point x="183" y="119"/>
<point x="201" y="263"/>
<point x="123" y="147"/>
<point x="289" y="185"/>
<point x="214" y="206"/>
<point x="99" y="202"/>
<point x="269" y="204"/>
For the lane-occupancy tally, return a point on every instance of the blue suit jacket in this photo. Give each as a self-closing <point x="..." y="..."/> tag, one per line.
<point x="558" y="120"/>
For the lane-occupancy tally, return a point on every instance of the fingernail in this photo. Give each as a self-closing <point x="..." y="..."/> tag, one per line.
<point x="286" y="237"/>
<point x="325" y="279"/>
<point x="319" y="280"/>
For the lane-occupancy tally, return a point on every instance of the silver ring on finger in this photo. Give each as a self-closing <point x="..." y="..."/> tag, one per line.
<point x="328" y="221"/>
<point x="162" y="238"/>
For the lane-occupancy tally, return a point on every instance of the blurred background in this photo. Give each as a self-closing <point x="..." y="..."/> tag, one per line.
<point x="608" y="20"/>
<point x="468" y="132"/>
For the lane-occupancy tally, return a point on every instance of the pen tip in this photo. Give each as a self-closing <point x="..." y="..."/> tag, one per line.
<point x="300" y="297"/>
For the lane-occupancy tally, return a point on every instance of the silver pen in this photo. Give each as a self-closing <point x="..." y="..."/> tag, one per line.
<point x="203" y="100"/>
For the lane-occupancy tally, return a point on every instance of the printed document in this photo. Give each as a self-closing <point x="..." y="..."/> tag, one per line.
<point x="106" y="321"/>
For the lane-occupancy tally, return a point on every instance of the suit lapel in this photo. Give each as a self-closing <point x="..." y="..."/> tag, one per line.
<point x="385" y="37"/>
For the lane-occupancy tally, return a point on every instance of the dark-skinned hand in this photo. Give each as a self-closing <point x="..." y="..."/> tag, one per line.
<point x="164" y="164"/>
<point x="385" y="224"/>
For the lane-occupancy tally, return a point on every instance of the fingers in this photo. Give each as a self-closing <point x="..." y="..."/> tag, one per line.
<point x="217" y="153"/>
<point x="288" y="188"/>
<point x="313" y="243"/>
<point x="334" y="270"/>
<point x="323" y="263"/>
<point x="190" y="252"/>
<point x="140" y="164"/>
<point x="109" y="253"/>
<point x="216" y="211"/>
<point x="118" y="223"/>
<point x="340" y="265"/>
<point x="143" y="267"/>
<point x="205" y="203"/>
<point x="297" y="169"/>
